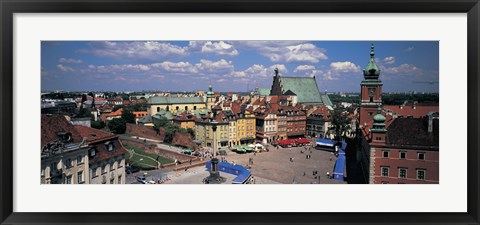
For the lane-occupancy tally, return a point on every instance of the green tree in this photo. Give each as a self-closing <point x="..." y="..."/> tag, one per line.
<point x="162" y="122"/>
<point x="340" y="123"/>
<point x="97" y="124"/>
<point x="169" y="134"/>
<point x="128" y="116"/>
<point x="117" y="126"/>
<point x="191" y="132"/>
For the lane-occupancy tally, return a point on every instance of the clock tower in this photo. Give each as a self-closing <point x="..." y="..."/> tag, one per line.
<point x="371" y="90"/>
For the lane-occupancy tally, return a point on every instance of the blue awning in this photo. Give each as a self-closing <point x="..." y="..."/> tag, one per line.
<point x="339" y="168"/>
<point x="325" y="142"/>
<point x="242" y="173"/>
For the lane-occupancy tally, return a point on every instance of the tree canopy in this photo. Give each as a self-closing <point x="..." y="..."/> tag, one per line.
<point x="117" y="126"/>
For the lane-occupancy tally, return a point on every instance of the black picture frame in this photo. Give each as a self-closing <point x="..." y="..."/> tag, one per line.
<point x="9" y="7"/>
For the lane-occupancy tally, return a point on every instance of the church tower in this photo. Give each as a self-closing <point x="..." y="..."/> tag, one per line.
<point x="210" y="97"/>
<point x="276" y="86"/>
<point x="378" y="130"/>
<point x="371" y="90"/>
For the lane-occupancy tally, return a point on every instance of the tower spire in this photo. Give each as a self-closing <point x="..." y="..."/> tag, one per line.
<point x="371" y="71"/>
<point x="372" y="51"/>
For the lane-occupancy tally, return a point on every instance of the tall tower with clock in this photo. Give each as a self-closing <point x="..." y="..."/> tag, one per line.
<point x="371" y="90"/>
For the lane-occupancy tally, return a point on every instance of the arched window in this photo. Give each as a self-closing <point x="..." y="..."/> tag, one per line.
<point x="176" y="108"/>
<point x="186" y="108"/>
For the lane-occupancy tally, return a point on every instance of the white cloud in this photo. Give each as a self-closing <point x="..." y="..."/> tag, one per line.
<point x="151" y="50"/>
<point x="389" y="60"/>
<point x="219" y="48"/>
<point x="402" y="69"/>
<point x="179" y="67"/>
<point x="65" y="68"/>
<point x="344" y="67"/>
<point x="70" y="60"/>
<point x="285" y="51"/>
<point x="303" y="68"/>
<point x="409" y="49"/>
<point x="221" y="66"/>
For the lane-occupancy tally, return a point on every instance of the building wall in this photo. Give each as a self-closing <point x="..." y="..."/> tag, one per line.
<point x="110" y="171"/>
<point x="281" y="127"/>
<point x="411" y="164"/>
<point x="204" y="133"/>
<point x="155" y="108"/>
<point x="245" y="128"/>
<point x="60" y="165"/>
<point x="296" y="125"/>
<point x="232" y="132"/>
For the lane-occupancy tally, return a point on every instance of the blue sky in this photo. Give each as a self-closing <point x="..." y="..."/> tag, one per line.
<point x="233" y="65"/>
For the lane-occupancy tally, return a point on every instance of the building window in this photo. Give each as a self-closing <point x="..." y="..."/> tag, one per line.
<point x="92" y="152"/>
<point x="109" y="146"/>
<point x="421" y="156"/>
<point x="105" y="169"/>
<point x="176" y="108"/>
<point x="186" y="108"/>
<point x="402" y="173"/>
<point x="385" y="154"/>
<point x="68" y="163"/>
<point x="384" y="171"/>
<point x="194" y="107"/>
<point x="403" y="155"/>
<point x="68" y="179"/>
<point x="80" y="177"/>
<point x="158" y="109"/>
<point x="94" y="172"/>
<point x="79" y="160"/>
<point x="420" y="174"/>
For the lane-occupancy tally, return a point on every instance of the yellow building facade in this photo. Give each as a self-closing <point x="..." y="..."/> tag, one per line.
<point x="245" y="129"/>
<point x="204" y="133"/>
<point x="174" y="104"/>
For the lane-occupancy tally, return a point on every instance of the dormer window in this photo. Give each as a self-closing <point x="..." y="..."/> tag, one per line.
<point x="109" y="145"/>
<point x="92" y="152"/>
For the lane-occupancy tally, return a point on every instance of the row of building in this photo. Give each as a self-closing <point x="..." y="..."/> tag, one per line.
<point x="76" y="154"/>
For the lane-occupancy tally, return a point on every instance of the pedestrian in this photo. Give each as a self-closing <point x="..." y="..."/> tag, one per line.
<point x="315" y="177"/>
<point x="306" y="156"/>
<point x="293" y="159"/>
<point x="328" y="175"/>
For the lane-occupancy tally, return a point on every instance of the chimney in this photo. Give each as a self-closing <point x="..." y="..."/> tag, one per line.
<point x="430" y="123"/>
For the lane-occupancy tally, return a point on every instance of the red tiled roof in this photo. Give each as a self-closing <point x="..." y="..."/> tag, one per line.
<point x="417" y="112"/>
<point x="119" y="112"/>
<point x="93" y="135"/>
<point x="98" y="138"/>
<point x="51" y="124"/>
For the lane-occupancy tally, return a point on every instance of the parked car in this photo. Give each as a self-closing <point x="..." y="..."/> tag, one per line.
<point x="142" y="180"/>
<point x="197" y="154"/>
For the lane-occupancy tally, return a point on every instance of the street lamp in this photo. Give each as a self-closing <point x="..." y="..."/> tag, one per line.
<point x="214" y="177"/>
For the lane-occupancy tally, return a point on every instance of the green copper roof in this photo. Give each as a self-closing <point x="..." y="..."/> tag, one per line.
<point x="263" y="91"/>
<point x="326" y="100"/>
<point x="371" y="71"/>
<point x="163" y="100"/>
<point x="304" y="87"/>
<point x="163" y="113"/>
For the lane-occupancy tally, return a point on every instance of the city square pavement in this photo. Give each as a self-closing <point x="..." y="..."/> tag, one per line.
<point x="275" y="165"/>
<point x="271" y="167"/>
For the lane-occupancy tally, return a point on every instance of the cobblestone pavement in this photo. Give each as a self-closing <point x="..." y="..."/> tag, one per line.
<point x="275" y="165"/>
<point x="268" y="168"/>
